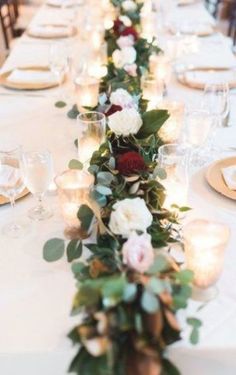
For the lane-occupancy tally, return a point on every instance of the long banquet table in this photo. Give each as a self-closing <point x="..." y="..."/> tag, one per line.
<point x="35" y="296"/>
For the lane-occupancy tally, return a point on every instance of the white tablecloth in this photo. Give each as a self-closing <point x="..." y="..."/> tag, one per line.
<point x="35" y="296"/>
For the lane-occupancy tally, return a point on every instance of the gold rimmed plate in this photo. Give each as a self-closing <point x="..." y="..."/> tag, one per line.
<point x="216" y="180"/>
<point x="197" y="78"/>
<point x="4" y="200"/>
<point x="72" y="31"/>
<point x="27" y="85"/>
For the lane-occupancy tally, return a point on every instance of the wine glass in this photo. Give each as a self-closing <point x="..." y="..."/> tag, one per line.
<point x="11" y="185"/>
<point x="216" y="99"/>
<point x="38" y="174"/>
<point x="59" y="61"/>
<point x="199" y="123"/>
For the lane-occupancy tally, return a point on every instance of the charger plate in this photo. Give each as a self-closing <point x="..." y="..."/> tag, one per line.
<point x="215" y="178"/>
<point x="197" y="78"/>
<point x="4" y="200"/>
<point x="27" y="86"/>
<point x="58" y="36"/>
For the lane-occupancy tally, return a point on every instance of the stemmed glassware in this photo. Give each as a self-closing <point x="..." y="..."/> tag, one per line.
<point x="38" y="174"/>
<point x="199" y="123"/>
<point x="11" y="185"/>
<point x="216" y="100"/>
<point x="59" y="61"/>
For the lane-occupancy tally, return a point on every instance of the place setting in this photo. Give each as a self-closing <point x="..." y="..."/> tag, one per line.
<point x="33" y="78"/>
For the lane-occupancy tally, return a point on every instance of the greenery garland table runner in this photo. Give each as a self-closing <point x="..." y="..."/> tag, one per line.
<point x="42" y="104"/>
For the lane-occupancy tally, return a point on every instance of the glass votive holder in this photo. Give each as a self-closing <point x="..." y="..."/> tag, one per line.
<point x="73" y="188"/>
<point x="153" y="90"/>
<point x="87" y="92"/>
<point x="171" y="129"/>
<point x="92" y="129"/>
<point x="173" y="158"/>
<point x="160" y="66"/>
<point x="205" y="242"/>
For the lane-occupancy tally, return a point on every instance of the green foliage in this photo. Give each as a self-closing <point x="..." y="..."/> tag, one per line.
<point x="74" y="250"/>
<point x="195" y="324"/>
<point x="152" y="122"/>
<point x="75" y="164"/>
<point x="85" y="215"/>
<point x="60" y="104"/>
<point x="53" y="249"/>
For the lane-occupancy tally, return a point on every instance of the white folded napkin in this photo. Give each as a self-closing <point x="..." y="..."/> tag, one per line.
<point x="9" y="175"/>
<point x="60" y="3"/>
<point x="203" y="77"/>
<point x="51" y="31"/>
<point x="31" y="76"/>
<point x="229" y="175"/>
<point x="192" y="28"/>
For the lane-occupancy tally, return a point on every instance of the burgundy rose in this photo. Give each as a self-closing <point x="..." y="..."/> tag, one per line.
<point x="130" y="31"/>
<point x="113" y="109"/>
<point x="130" y="162"/>
<point x="118" y="26"/>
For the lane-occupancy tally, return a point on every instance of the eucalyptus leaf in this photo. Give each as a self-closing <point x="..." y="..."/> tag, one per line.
<point x="74" y="250"/>
<point x="185" y="276"/>
<point x="73" y="112"/>
<point x="156" y="285"/>
<point x="54" y="249"/>
<point x="159" y="172"/>
<point x="104" y="190"/>
<point x="150" y="302"/>
<point x="130" y="292"/>
<point x="105" y="178"/>
<point x="99" y="198"/>
<point x="60" y="104"/>
<point x="75" y="164"/>
<point x="160" y="264"/>
<point x="85" y="215"/>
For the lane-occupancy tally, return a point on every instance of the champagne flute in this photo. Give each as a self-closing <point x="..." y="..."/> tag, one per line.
<point x="38" y="174"/>
<point x="59" y="61"/>
<point x="11" y="185"/>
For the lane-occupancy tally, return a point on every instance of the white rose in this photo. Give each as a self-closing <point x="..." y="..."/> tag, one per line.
<point x="130" y="215"/>
<point x="125" y="41"/>
<point x="125" y="122"/>
<point x="97" y="346"/>
<point x="126" y="21"/>
<point x="121" y="97"/>
<point x="124" y="56"/>
<point x="138" y="252"/>
<point x="129" y="6"/>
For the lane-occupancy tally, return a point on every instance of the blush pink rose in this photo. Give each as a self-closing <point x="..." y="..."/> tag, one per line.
<point x="131" y="69"/>
<point x="138" y="252"/>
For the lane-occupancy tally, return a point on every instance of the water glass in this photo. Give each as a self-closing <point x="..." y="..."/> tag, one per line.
<point x="38" y="174"/>
<point x="174" y="159"/>
<point x="11" y="185"/>
<point x="92" y="128"/>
